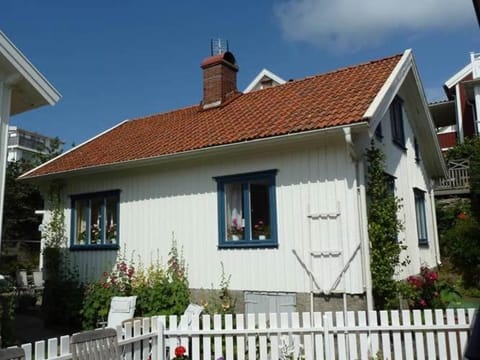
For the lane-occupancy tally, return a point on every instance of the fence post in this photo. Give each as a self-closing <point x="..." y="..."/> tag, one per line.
<point x="326" y="340"/>
<point x="160" y="340"/>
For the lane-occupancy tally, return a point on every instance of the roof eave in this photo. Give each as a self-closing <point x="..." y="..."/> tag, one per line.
<point x="382" y="101"/>
<point x="191" y="154"/>
<point x="32" y="81"/>
<point x="458" y="76"/>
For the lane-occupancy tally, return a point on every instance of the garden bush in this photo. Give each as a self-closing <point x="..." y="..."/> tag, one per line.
<point x="63" y="293"/>
<point x="462" y="244"/>
<point x="383" y="229"/>
<point x="7" y="312"/>
<point x="220" y="301"/>
<point x="426" y="291"/>
<point x="159" y="289"/>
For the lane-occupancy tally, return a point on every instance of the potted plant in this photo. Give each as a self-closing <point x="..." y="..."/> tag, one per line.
<point x="235" y="231"/>
<point x="261" y="231"/>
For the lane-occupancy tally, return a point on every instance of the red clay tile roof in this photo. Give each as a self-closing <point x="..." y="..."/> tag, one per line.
<point x="336" y="98"/>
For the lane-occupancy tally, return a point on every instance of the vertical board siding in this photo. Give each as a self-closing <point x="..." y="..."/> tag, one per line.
<point x="410" y="174"/>
<point x="180" y="201"/>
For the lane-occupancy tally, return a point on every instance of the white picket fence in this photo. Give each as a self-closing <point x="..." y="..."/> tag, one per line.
<point x="405" y="334"/>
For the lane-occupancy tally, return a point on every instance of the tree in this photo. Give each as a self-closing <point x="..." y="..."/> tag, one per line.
<point x="459" y="221"/>
<point x="21" y="200"/>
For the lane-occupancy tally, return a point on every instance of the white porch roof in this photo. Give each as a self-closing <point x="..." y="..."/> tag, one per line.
<point x="31" y="89"/>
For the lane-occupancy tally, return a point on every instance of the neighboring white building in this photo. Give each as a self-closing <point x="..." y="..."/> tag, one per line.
<point x="263" y="80"/>
<point x="24" y="144"/>
<point x="271" y="183"/>
<point x="22" y="88"/>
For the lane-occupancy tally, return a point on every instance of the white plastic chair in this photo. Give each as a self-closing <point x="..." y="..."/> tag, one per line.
<point x="15" y="353"/>
<point x="95" y="344"/>
<point x="121" y="308"/>
<point x="21" y="281"/>
<point x="191" y="311"/>
<point x="38" y="280"/>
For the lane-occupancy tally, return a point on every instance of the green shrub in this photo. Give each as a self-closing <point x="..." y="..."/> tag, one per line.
<point x="462" y="244"/>
<point x="159" y="290"/>
<point x="220" y="301"/>
<point x="426" y="291"/>
<point x="63" y="293"/>
<point x="7" y="312"/>
<point x="383" y="228"/>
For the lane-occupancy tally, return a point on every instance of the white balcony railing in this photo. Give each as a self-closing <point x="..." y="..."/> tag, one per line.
<point x="457" y="180"/>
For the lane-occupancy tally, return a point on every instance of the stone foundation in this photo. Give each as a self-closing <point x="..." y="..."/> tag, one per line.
<point x="321" y="302"/>
<point x="332" y="302"/>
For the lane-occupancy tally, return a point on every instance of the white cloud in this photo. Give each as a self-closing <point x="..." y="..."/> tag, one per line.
<point x="344" y="24"/>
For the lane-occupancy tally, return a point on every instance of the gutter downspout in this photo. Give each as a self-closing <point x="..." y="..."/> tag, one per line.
<point x="436" y="245"/>
<point x="362" y="219"/>
<point x="458" y="105"/>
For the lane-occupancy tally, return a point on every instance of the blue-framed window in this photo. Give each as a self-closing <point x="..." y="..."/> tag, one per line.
<point x="416" y="149"/>
<point x="390" y="182"/>
<point x="421" y="216"/>
<point x="95" y="220"/>
<point x="379" y="132"/>
<point x="247" y="210"/>
<point x="396" y="119"/>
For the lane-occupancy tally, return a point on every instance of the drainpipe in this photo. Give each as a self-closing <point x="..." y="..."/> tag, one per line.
<point x="459" y="105"/>
<point x="438" y="260"/>
<point x="362" y="219"/>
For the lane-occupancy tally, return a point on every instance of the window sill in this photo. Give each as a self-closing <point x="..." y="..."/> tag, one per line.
<point x="94" y="247"/>
<point x="400" y="145"/>
<point x="423" y="243"/>
<point x="253" y="244"/>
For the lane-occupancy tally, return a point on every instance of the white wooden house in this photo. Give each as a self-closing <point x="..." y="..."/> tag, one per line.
<point x="270" y="182"/>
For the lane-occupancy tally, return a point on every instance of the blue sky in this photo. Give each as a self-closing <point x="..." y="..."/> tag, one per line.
<point x="116" y="59"/>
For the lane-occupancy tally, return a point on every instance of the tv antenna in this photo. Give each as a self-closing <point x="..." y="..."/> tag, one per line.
<point x="218" y="46"/>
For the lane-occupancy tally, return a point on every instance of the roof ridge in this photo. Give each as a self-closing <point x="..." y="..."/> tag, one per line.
<point x="334" y="71"/>
<point x="342" y="69"/>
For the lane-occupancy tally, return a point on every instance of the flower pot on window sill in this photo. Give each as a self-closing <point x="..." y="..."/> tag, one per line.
<point x="261" y="237"/>
<point x="235" y="237"/>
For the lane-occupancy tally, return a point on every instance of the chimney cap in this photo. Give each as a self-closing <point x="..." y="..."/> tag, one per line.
<point x="226" y="57"/>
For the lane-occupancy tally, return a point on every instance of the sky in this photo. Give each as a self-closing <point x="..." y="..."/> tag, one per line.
<point x="113" y="60"/>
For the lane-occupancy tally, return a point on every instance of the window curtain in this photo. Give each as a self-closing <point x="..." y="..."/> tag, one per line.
<point x="234" y="207"/>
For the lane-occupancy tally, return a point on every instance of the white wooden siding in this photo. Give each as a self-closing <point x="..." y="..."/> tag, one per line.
<point x="410" y="174"/>
<point x="315" y="178"/>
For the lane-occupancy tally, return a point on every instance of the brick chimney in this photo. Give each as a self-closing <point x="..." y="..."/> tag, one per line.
<point x="219" y="79"/>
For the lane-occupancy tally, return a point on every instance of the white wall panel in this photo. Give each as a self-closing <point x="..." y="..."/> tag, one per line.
<point x="409" y="174"/>
<point x="181" y="199"/>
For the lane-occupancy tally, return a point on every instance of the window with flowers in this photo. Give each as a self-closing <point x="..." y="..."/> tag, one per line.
<point x="94" y="220"/>
<point x="247" y="210"/>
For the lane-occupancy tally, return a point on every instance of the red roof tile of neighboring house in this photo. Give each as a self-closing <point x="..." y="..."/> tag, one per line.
<point x="336" y="98"/>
